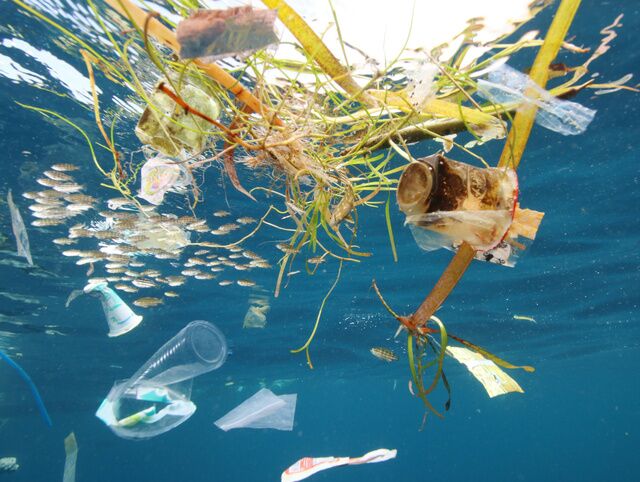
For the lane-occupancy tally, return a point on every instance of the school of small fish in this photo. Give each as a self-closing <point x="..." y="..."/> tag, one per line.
<point x="117" y="242"/>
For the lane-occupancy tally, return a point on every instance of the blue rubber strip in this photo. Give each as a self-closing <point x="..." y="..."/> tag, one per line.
<point x="32" y="387"/>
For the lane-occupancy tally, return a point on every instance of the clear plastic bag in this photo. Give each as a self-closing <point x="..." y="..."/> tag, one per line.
<point x="505" y="85"/>
<point x="19" y="231"/>
<point x="157" y="397"/>
<point x="159" y="175"/>
<point x="262" y="410"/>
<point x="169" y="128"/>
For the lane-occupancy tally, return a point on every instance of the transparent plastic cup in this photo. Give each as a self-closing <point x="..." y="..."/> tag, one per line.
<point x="157" y="397"/>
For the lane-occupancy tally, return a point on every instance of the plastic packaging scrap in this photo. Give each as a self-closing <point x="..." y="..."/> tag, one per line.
<point x="157" y="398"/>
<point x="120" y="317"/>
<point x="169" y="128"/>
<point x="71" y="451"/>
<point x="308" y="466"/>
<point x="36" y="395"/>
<point x="262" y="410"/>
<point x="159" y="175"/>
<point x="19" y="231"/>
<point x="494" y="380"/>
<point x="215" y="34"/>
<point x="9" y="464"/>
<point x="256" y="316"/>
<point x="505" y="85"/>
<point x="449" y="202"/>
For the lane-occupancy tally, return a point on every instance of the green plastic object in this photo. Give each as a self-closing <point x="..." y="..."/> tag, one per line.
<point x="169" y="128"/>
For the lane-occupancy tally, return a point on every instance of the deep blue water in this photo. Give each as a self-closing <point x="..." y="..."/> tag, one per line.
<point x="577" y="420"/>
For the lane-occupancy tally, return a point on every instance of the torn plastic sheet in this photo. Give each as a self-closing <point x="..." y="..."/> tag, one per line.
<point x="505" y="85"/>
<point x="9" y="464"/>
<point x="169" y="128"/>
<point x="494" y="380"/>
<point x="120" y="317"/>
<point x="157" y="398"/>
<point x="159" y="175"/>
<point x="263" y="410"/>
<point x="256" y="316"/>
<point x="215" y="34"/>
<point x="19" y="231"/>
<point x="71" y="451"/>
<point x="308" y="466"/>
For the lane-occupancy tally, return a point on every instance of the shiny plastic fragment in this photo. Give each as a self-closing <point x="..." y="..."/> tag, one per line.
<point x="256" y="316"/>
<point x="215" y="34"/>
<point x="19" y="231"/>
<point x="71" y="451"/>
<point x="308" y="466"/>
<point x="167" y="127"/>
<point x="159" y="175"/>
<point x="494" y="380"/>
<point x="9" y="464"/>
<point x="505" y="85"/>
<point x="263" y="410"/>
<point x="157" y="398"/>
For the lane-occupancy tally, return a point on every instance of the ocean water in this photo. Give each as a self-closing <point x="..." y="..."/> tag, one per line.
<point x="577" y="420"/>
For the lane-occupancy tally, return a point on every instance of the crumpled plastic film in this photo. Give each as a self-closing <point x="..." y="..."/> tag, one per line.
<point x="505" y="84"/>
<point x="19" y="231"/>
<point x="159" y="175"/>
<point x="167" y="127"/>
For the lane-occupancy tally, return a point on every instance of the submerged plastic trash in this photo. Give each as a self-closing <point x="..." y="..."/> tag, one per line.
<point x="120" y="318"/>
<point x="9" y="464"/>
<point x="262" y="410"/>
<point x="157" y="397"/>
<point x="308" y="466"/>
<point x="221" y="33"/>
<point x="494" y="380"/>
<point x="169" y="128"/>
<point x="71" y="451"/>
<point x="19" y="231"/>
<point x="159" y="175"/>
<point x="505" y="84"/>
<point x="36" y="395"/>
<point x="256" y="316"/>
<point x="449" y="202"/>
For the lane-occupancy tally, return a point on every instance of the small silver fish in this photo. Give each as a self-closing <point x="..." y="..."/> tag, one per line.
<point x="64" y="167"/>
<point x="383" y="354"/>
<point x="148" y="302"/>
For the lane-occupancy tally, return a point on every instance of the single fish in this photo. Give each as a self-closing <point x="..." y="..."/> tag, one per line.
<point x="221" y="214"/>
<point x="246" y="282"/>
<point x="245" y="220"/>
<point x="225" y="282"/>
<point x="41" y="223"/>
<point x="64" y="167"/>
<point x="228" y="227"/>
<point x="171" y="294"/>
<point x="68" y="188"/>
<point x="64" y="241"/>
<point x="383" y="354"/>
<point x="148" y="302"/>
<point x="58" y="176"/>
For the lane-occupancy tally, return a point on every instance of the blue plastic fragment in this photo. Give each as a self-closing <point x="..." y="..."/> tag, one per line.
<point x="32" y="387"/>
